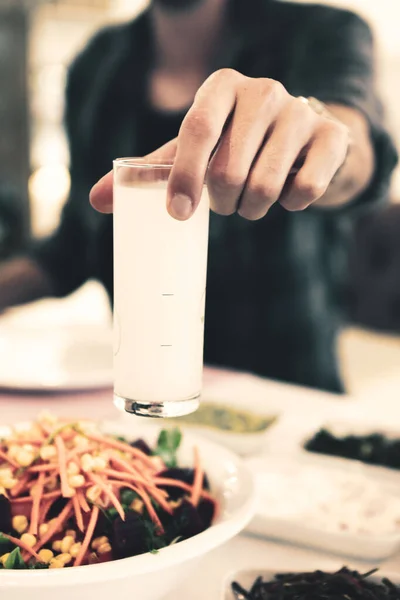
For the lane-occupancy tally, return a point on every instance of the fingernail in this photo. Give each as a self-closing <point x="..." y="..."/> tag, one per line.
<point x="181" y="206"/>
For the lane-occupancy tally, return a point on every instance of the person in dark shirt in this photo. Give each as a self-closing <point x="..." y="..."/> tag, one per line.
<point x="231" y="77"/>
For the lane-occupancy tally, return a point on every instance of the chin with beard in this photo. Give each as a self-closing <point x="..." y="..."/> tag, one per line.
<point x="178" y="5"/>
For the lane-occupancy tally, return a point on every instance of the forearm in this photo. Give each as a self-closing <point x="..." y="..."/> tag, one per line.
<point x="22" y="280"/>
<point x="358" y="169"/>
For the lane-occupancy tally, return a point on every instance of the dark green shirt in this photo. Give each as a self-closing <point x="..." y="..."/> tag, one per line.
<point x="271" y="302"/>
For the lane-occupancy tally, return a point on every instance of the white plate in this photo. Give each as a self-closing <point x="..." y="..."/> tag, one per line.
<point x="292" y="522"/>
<point x="55" y="358"/>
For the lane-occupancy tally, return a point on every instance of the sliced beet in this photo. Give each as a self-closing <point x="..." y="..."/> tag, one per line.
<point x="143" y="446"/>
<point x="56" y="508"/>
<point x="129" y="537"/>
<point x="5" y="515"/>
<point x="187" y="521"/>
<point x="206" y="510"/>
<point x="185" y="475"/>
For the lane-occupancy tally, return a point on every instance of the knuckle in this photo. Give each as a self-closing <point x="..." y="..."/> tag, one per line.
<point x="307" y="190"/>
<point x="198" y="124"/>
<point x="225" y="75"/>
<point x="271" y="89"/>
<point x="262" y="191"/>
<point x="222" y="178"/>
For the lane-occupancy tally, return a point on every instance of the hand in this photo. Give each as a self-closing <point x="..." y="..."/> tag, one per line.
<point x="254" y="143"/>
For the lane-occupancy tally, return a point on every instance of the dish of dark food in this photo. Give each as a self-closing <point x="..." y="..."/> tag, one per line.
<point x="374" y="449"/>
<point x="71" y="495"/>
<point x="342" y="585"/>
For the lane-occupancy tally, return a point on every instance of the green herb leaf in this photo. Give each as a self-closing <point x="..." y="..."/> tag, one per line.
<point x="15" y="560"/>
<point x="38" y="566"/>
<point x="5" y="544"/>
<point x="168" y="443"/>
<point x="128" y="496"/>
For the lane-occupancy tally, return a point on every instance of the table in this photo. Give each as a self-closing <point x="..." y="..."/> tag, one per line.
<point x="300" y="407"/>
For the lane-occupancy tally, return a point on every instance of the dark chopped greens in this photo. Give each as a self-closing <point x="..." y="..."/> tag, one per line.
<point x="373" y="449"/>
<point x="342" y="585"/>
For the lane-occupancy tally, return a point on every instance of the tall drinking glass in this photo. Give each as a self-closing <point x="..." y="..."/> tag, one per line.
<point x="160" y="267"/>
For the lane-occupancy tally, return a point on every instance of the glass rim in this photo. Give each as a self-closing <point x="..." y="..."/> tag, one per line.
<point x="143" y="163"/>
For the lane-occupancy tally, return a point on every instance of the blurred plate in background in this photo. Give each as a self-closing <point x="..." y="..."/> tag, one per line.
<point x="70" y="357"/>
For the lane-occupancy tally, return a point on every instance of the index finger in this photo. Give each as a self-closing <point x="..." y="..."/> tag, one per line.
<point x="101" y="194"/>
<point x="199" y="134"/>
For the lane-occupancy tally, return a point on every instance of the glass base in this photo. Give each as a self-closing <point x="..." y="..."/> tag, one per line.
<point x="159" y="410"/>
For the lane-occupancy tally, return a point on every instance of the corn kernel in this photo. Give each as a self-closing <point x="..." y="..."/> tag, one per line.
<point x="93" y="493"/>
<point x="80" y="442"/>
<point x="20" y="523"/>
<point x="137" y="505"/>
<point x="104" y="548"/>
<point x="55" y="563"/>
<point x="3" y="558"/>
<point x="43" y="529"/>
<point x="5" y="473"/>
<point x="76" y="481"/>
<point x="48" y="452"/>
<point x="24" y="458"/>
<point x="74" y="550"/>
<point x="97" y="542"/>
<point x="23" y="427"/>
<point x="65" y="558"/>
<point x="87" y="462"/>
<point x="56" y="545"/>
<point x="99" y="463"/>
<point x="13" y="450"/>
<point x="71" y="533"/>
<point x="46" y="555"/>
<point x="28" y="448"/>
<point x="66" y="543"/>
<point x="8" y="484"/>
<point x="72" y="468"/>
<point x="28" y="539"/>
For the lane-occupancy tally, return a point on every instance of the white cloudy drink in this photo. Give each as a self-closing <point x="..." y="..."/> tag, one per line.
<point x="160" y="269"/>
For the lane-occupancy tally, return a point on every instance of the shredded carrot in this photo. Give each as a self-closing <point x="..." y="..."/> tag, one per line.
<point x="123" y="465"/>
<point x="20" y="485"/>
<point x="78" y="512"/>
<point x="146" y="501"/>
<point x="46" y="496"/>
<point x="23" y="546"/>
<point x="88" y="536"/>
<point x="120" y="446"/>
<point x="198" y="479"/>
<point x="56" y="524"/>
<point x="109" y="493"/>
<point x="67" y="491"/>
<point x="10" y="461"/>
<point x="82" y="501"/>
<point x="44" y="468"/>
<point x="37" y="496"/>
<point x="184" y="486"/>
<point x="123" y="475"/>
<point x="45" y="509"/>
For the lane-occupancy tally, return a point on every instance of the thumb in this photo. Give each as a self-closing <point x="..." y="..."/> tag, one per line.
<point x="101" y="194"/>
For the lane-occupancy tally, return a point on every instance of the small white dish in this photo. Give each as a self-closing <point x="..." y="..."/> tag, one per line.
<point x="55" y="358"/>
<point x="364" y="523"/>
<point x="150" y="576"/>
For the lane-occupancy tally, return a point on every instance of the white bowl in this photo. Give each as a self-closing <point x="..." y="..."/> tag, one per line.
<point x="149" y="576"/>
